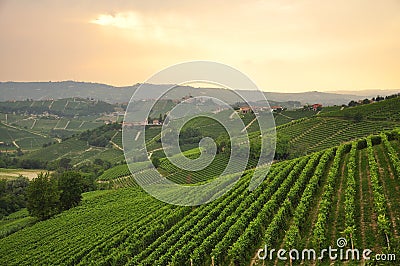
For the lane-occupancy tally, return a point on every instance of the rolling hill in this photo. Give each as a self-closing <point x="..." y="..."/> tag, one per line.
<point x="342" y="183"/>
<point x="307" y="202"/>
<point x="69" y="89"/>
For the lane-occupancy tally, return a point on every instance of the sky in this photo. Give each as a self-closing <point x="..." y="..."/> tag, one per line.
<point x="285" y="46"/>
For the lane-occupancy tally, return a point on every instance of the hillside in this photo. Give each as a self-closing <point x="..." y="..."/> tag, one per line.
<point x="66" y="107"/>
<point x="103" y="143"/>
<point x="337" y="125"/>
<point x="306" y="202"/>
<point x="12" y="137"/>
<point x="308" y="132"/>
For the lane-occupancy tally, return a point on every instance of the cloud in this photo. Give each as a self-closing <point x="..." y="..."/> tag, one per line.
<point x="129" y="20"/>
<point x="166" y="27"/>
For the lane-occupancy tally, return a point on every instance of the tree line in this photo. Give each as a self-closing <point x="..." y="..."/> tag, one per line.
<point x="44" y="196"/>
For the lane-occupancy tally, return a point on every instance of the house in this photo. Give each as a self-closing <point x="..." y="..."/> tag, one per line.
<point x="245" y="109"/>
<point x="316" y="107"/>
<point x="157" y="122"/>
<point x="277" y="108"/>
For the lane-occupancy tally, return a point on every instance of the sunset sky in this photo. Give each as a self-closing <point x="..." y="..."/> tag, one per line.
<point x="285" y="46"/>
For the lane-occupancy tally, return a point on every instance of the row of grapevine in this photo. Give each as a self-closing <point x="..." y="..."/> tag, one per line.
<point x="169" y="213"/>
<point x="319" y="231"/>
<point x="247" y="209"/>
<point x="201" y="253"/>
<point x="306" y="200"/>
<point x="91" y="230"/>
<point x="280" y="220"/>
<point x="240" y="251"/>
<point x="179" y="251"/>
<point x="210" y="212"/>
<point x="275" y="192"/>
<point x="392" y="154"/>
<point x="350" y="194"/>
<point x="379" y="196"/>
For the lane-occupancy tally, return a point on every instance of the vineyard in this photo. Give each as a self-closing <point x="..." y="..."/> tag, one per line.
<point x="318" y="133"/>
<point x="349" y="191"/>
<point x="13" y="137"/>
<point x="64" y="107"/>
<point x="388" y="110"/>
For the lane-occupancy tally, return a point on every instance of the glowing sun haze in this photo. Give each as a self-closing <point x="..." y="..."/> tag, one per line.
<point x="283" y="46"/>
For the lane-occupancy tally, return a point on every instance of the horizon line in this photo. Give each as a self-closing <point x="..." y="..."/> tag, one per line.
<point x="205" y="87"/>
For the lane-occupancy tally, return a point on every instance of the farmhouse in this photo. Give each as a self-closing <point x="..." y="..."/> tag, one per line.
<point x="316" y="107"/>
<point x="157" y="122"/>
<point x="277" y="108"/>
<point x="245" y="109"/>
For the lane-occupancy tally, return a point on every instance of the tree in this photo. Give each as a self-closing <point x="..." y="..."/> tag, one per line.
<point x="223" y="143"/>
<point x="43" y="197"/>
<point x="365" y="101"/>
<point x="70" y="185"/>
<point x="65" y="163"/>
<point x="283" y="147"/>
<point x="98" y="161"/>
<point x="156" y="162"/>
<point x="353" y="103"/>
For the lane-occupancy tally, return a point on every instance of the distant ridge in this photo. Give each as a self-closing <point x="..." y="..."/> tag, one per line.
<point x="368" y="93"/>
<point x="67" y="89"/>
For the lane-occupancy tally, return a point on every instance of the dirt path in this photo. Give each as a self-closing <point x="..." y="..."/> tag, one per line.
<point x="15" y="144"/>
<point x="33" y="124"/>
<point x="116" y="145"/>
<point x="248" y="125"/>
